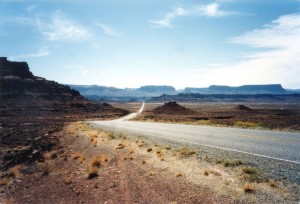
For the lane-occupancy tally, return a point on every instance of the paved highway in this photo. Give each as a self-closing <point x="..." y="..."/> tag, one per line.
<point x="277" y="145"/>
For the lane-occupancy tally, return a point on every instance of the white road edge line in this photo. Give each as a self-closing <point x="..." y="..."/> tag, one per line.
<point x="228" y="149"/>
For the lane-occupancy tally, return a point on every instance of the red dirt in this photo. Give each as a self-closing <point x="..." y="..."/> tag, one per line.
<point x="119" y="180"/>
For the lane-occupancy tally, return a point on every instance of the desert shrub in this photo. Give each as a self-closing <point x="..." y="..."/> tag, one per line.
<point x="120" y="146"/>
<point x="92" y="172"/>
<point x="253" y="174"/>
<point x="96" y="161"/>
<point x="4" y="181"/>
<point x="232" y="163"/>
<point x="248" y="188"/>
<point x="78" y="156"/>
<point x="186" y="152"/>
<point x="50" y="155"/>
<point x="111" y="135"/>
<point x="15" y="172"/>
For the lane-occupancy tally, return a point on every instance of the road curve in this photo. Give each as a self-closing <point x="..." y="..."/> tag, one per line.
<point x="277" y="145"/>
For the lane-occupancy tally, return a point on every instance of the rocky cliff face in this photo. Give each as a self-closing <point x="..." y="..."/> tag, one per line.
<point x="24" y="94"/>
<point x="16" y="69"/>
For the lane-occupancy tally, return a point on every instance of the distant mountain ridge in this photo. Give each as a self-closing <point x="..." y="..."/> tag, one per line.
<point x="195" y="97"/>
<point x="104" y="93"/>
<point x="245" y="89"/>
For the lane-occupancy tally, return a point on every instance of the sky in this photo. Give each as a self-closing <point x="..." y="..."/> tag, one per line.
<point x="131" y="43"/>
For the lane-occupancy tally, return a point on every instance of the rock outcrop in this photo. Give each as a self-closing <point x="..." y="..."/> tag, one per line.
<point x="172" y="108"/>
<point x="24" y="95"/>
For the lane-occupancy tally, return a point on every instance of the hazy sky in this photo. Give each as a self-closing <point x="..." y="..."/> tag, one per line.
<point x="129" y="43"/>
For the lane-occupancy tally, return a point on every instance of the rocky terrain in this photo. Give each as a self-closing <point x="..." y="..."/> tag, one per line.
<point x="32" y="107"/>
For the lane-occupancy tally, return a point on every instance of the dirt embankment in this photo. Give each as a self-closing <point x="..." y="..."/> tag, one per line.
<point x="95" y="166"/>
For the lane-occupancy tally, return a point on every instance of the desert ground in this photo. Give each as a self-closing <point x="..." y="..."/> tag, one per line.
<point x="75" y="162"/>
<point x="275" y="116"/>
<point x="89" y="165"/>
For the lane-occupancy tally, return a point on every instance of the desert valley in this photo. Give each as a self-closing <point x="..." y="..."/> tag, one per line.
<point x="59" y="147"/>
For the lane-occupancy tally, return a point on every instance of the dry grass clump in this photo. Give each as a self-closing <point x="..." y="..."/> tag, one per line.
<point x="250" y="170"/>
<point x="168" y="148"/>
<point x="92" y="171"/>
<point x="140" y="143"/>
<point x="122" y="136"/>
<point x="92" y="137"/>
<point x="78" y="157"/>
<point x="161" y="157"/>
<point x="120" y="146"/>
<point x="12" y="173"/>
<point x="130" y="157"/>
<point x="215" y="172"/>
<point x="273" y="184"/>
<point x="96" y="161"/>
<point x="50" y="155"/>
<point x="68" y="180"/>
<point x="253" y="174"/>
<point x="179" y="175"/>
<point x="15" y="172"/>
<point x="151" y="173"/>
<point x="94" y="166"/>
<point x="248" y="188"/>
<point x="4" y="181"/>
<point x="185" y="152"/>
<point x="232" y="163"/>
<point x="111" y="135"/>
<point x="149" y="149"/>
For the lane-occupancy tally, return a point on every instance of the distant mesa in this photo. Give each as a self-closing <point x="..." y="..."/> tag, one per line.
<point x="245" y="89"/>
<point x="172" y="108"/>
<point x="105" y="93"/>
<point x="161" y="89"/>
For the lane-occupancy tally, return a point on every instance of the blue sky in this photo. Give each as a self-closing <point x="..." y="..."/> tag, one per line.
<point x="130" y="43"/>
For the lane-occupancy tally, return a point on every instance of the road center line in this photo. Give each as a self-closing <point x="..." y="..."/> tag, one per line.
<point x="224" y="148"/>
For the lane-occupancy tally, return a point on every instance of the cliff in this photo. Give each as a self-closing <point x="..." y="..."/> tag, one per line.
<point x="24" y="95"/>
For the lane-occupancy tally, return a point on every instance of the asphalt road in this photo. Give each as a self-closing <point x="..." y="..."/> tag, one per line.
<point x="277" y="145"/>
